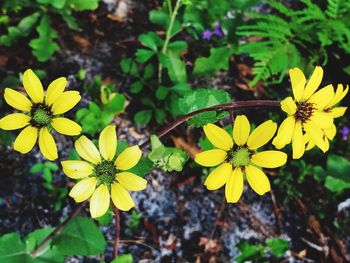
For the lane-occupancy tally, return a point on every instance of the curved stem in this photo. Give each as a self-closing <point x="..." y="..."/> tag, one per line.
<point x="117" y="230"/>
<point x="231" y="106"/>
<point x="57" y="230"/>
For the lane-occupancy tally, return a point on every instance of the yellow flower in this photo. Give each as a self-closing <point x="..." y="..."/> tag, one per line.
<point x="101" y="177"/>
<point x="310" y="113"/>
<point x="40" y="114"/>
<point x="238" y="157"/>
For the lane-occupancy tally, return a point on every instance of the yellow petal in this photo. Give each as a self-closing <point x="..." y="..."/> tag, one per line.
<point x="128" y="158"/>
<point x="99" y="202"/>
<point x="257" y="180"/>
<point x="210" y="158"/>
<point x="298" y="143"/>
<point x="330" y="132"/>
<point x="121" y="198"/>
<point x="269" y="159"/>
<point x="322" y="119"/>
<point x="33" y="86"/>
<point x="107" y="142"/>
<point x="288" y="105"/>
<point x="47" y="144"/>
<point x="66" y="101"/>
<point x="14" y="121"/>
<point x="218" y="137"/>
<point x="76" y="169"/>
<point x="218" y="177"/>
<point x="83" y="189"/>
<point x="338" y="96"/>
<point x="87" y="150"/>
<point x="285" y="132"/>
<point x="313" y="83"/>
<point x="241" y="130"/>
<point x="26" y="140"/>
<point x="321" y="98"/>
<point x="55" y="90"/>
<point x="338" y="111"/>
<point x="316" y="135"/>
<point x="298" y="82"/>
<point x="131" y="181"/>
<point x="261" y="135"/>
<point x="66" y="126"/>
<point x="310" y="145"/>
<point x="234" y="186"/>
<point x="17" y="100"/>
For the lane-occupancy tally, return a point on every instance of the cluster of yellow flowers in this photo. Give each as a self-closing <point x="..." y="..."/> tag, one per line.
<point x="104" y="176"/>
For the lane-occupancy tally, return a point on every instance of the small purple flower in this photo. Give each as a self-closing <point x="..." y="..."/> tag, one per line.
<point x="206" y="34"/>
<point x="345" y="132"/>
<point x="217" y="31"/>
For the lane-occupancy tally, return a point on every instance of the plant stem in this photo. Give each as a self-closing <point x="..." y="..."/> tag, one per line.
<point x="232" y="106"/>
<point x="117" y="230"/>
<point x="168" y="35"/>
<point x="57" y="230"/>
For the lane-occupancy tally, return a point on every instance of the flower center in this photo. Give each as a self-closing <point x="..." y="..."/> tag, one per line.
<point x="41" y="115"/>
<point x="105" y="172"/>
<point x="304" y="111"/>
<point x="239" y="157"/>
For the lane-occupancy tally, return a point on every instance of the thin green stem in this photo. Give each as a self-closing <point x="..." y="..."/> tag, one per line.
<point x="168" y="34"/>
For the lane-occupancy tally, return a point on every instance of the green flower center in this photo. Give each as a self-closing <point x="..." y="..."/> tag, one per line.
<point x="105" y="172"/>
<point x="304" y="111"/>
<point x="41" y="115"/>
<point x="239" y="157"/>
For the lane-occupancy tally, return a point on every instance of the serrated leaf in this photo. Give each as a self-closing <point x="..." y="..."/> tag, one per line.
<point x="80" y="237"/>
<point x="44" y="46"/>
<point x="175" y="66"/>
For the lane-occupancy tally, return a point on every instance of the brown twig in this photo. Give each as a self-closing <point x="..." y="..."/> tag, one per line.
<point x="58" y="229"/>
<point x="276" y="211"/>
<point x="117" y="230"/>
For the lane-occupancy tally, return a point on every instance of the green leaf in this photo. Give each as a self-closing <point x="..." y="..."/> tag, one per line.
<point x="148" y="72"/>
<point x="143" y="55"/>
<point x="161" y="92"/>
<point x="36" y="168"/>
<point x="80" y="237"/>
<point x="338" y="167"/>
<point x="48" y="252"/>
<point x="136" y="87"/>
<point x="44" y="46"/>
<point x="13" y="250"/>
<point x="23" y="29"/>
<point x="126" y="258"/>
<point x="249" y="252"/>
<point x="167" y="158"/>
<point x="116" y="104"/>
<point x="178" y="46"/>
<point x="55" y="3"/>
<point x="175" y="66"/>
<point x="159" y="17"/>
<point x="107" y="218"/>
<point x="128" y="66"/>
<point x="203" y="98"/>
<point x="143" y="117"/>
<point x="218" y="60"/>
<point x="336" y="185"/>
<point x="80" y="5"/>
<point x="278" y="246"/>
<point x="142" y="168"/>
<point x="149" y="40"/>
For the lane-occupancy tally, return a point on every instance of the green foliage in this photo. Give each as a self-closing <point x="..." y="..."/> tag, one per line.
<point x="133" y="222"/>
<point x="95" y="117"/>
<point x="202" y="98"/>
<point x="13" y="249"/>
<point x="259" y="253"/>
<point x="336" y="175"/>
<point x="282" y="37"/>
<point x="44" y="44"/>
<point x="126" y="258"/>
<point x="80" y="237"/>
<point x="167" y="158"/>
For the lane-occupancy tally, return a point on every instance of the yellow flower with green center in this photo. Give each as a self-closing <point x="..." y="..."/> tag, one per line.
<point x="102" y="176"/>
<point x="41" y="114"/>
<point x="237" y="157"/>
<point x="310" y="113"/>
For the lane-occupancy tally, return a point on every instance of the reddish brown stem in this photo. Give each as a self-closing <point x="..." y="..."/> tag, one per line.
<point x="58" y="229"/>
<point x="232" y="106"/>
<point x="117" y="230"/>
